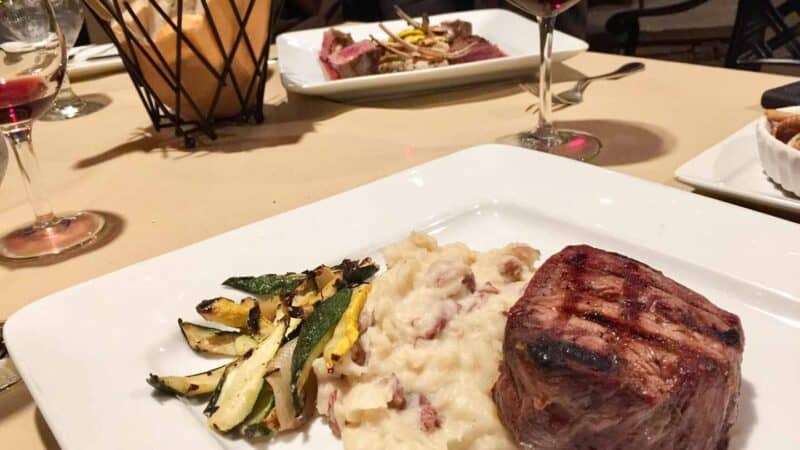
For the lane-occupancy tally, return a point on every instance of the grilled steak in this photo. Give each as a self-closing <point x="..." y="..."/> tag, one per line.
<point x="333" y="41"/>
<point x="477" y="49"/>
<point x="360" y="58"/>
<point x="457" y="28"/>
<point x="603" y="352"/>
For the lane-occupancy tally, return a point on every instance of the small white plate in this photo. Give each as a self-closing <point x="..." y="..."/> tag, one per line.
<point x="84" y="353"/>
<point x="87" y="62"/>
<point x="732" y="168"/>
<point x="518" y="37"/>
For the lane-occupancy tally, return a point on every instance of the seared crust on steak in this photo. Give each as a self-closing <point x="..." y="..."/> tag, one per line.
<point x="604" y="352"/>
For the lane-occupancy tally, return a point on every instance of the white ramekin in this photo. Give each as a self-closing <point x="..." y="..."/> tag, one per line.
<point x="780" y="161"/>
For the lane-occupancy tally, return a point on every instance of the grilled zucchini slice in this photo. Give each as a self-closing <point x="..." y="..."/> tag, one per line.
<point x="266" y="285"/>
<point x="284" y="416"/>
<point x="346" y="332"/>
<point x="227" y="312"/>
<point x="306" y="295"/>
<point x="315" y="333"/>
<point x="214" y="341"/>
<point x="242" y="383"/>
<point x="327" y="280"/>
<point x="269" y="306"/>
<point x="254" y="426"/>
<point x="190" y="385"/>
<point x="357" y="272"/>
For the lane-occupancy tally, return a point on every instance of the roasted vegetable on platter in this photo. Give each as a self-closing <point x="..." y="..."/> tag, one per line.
<point x="275" y="334"/>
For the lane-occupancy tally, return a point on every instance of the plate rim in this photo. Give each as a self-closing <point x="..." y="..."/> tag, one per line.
<point x="691" y="174"/>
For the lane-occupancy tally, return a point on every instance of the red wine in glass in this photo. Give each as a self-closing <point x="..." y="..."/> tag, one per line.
<point x="24" y="99"/>
<point x="543" y="8"/>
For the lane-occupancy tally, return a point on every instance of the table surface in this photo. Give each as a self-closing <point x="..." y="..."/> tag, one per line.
<point x="160" y="197"/>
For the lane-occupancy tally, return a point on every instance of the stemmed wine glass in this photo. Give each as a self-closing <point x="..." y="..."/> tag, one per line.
<point x="67" y="105"/>
<point x="32" y="66"/>
<point x="546" y="137"/>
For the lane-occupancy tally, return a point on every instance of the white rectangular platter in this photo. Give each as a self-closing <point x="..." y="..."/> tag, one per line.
<point x="84" y="353"/>
<point x="517" y="36"/>
<point x="732" y="168"/>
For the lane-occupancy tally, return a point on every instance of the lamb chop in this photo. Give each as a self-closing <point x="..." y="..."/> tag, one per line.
<point x="605" y="353"/>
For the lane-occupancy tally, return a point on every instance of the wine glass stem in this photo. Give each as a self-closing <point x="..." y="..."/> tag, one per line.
<point x="66" y="94"/>
<point x="546" y="25"/>
<point x="19" y="140"/>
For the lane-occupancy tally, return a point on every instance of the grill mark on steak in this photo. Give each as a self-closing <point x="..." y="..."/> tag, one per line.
<point x="551" y="353"/>
<point x="634" y="329"/>
<point x="634" y="287"/>
<point x="579" y="269"/>
<point x="730" y="337"/>
<point x="630" y="331"/>
<point x="618" y="265"/>
<point x="576" y="265"/>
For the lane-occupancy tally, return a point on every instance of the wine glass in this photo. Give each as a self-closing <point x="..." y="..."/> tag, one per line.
<point x="32" y="65"/>
<point x="69" y="15"/>
<point x="546" y="137"/>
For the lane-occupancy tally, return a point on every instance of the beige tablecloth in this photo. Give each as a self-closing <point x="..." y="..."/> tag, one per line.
<point x="161" y="197"/>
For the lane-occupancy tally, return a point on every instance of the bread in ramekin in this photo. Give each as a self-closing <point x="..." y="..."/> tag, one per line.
<point x="780" y="161"/>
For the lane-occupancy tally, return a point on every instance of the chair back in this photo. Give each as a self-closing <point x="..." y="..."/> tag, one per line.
<point x="765" y="32"/>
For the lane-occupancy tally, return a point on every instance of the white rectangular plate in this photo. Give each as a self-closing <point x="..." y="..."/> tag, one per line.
<point x="85" y="352"/>
<point x="732" y="168"/>
<point x="517" y="36"/>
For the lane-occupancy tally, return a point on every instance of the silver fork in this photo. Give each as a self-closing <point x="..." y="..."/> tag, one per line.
<point x="534" y="90"/>
<point x="574" y="95"/>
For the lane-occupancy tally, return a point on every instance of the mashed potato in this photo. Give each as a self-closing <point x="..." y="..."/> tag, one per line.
<point x="422" y="373"/>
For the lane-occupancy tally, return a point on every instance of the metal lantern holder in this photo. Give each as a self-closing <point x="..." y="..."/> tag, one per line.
<point x="250" y="97"/>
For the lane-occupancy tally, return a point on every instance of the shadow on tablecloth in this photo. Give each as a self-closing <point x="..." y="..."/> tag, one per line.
<point x="624" y="142"/>
<point x="287" y="120"/>
<point x="45" y="434"/>
<point x="14" y="401"/>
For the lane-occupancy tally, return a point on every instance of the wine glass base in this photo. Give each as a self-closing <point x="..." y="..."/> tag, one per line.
<point x="57" y="236"/>
<point x="568" y="143"/>
<point x="71" y="110"/>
